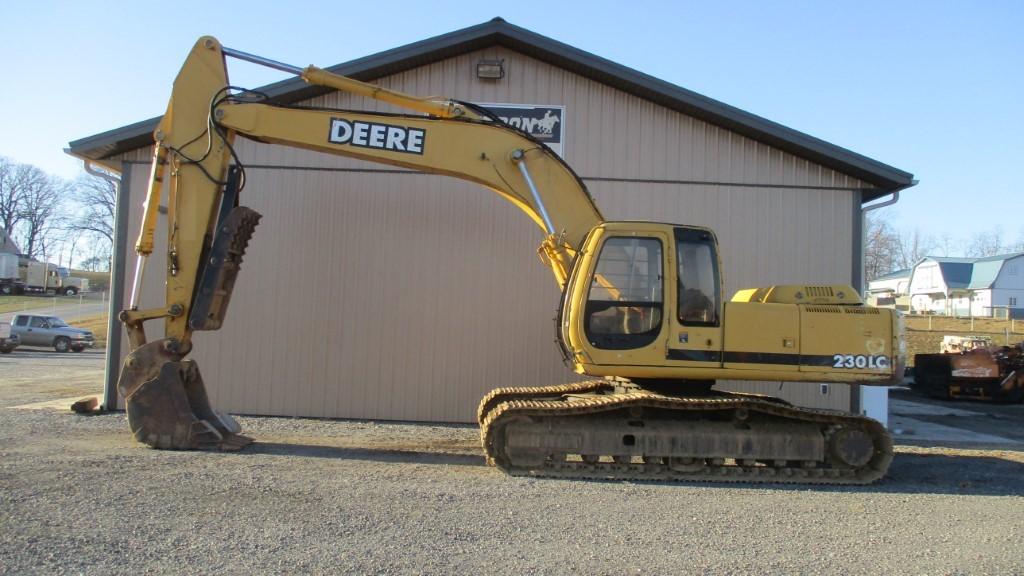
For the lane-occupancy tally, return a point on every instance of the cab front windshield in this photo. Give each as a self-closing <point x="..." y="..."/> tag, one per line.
<point x="55" y="322"/>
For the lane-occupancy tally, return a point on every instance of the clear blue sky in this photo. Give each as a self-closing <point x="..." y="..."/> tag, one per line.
<point x="933" y="88"/>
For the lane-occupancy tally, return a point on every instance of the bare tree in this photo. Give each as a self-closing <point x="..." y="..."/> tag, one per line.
<point x="911" y="247"/>
<point x="986" y="244"/>
<point x="946" y="245"/>
<point x="1019" y="245"/>
<point x="41" y="211"/>
<point x="14" y="178"/>
<point x="96" y="264"/>
<point x="881" y="246"/>
<point x="97" y="198"/>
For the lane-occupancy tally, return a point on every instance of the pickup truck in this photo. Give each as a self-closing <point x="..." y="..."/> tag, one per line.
<point x="8" y="341"/>
<point x="35" y="330"/>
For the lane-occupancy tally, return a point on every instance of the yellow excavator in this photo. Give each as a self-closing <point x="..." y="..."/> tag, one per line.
<point x="642" y="308"/>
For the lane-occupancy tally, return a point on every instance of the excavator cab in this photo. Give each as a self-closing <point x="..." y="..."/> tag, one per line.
<point x="642" y="293"/>
<point x="645" y="301"/>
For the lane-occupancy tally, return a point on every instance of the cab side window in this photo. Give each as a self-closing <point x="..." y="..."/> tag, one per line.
<point x="22" y="321"/>
<point x="38" y="322"/>
<point x="699" y="290"/>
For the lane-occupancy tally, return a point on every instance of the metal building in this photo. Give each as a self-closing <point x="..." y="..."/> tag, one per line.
<point x="367" y="292"/>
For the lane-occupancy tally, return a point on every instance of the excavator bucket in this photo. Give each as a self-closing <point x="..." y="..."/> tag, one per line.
<point x="167" y="403"/>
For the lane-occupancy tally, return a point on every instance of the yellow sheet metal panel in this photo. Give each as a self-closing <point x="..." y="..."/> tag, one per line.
<point x="755" y="332"/>
<point x="372" y="294"/>
<point x="868" y="349"/>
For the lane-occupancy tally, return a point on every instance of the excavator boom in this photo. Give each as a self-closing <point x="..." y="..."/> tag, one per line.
<point x="209" y="230"/>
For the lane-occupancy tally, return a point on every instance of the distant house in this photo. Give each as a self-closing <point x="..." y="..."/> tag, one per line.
<point x="992" y="286"/>
<point x="890" y="290"/>
<point x="939" y="285"/>
<point x="7" y="245"/>
<point x="997" y="284"/>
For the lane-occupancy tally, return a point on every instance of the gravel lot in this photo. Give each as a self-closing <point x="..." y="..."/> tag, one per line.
<point x="330" y="497"/>
<point x="33" y="374"/>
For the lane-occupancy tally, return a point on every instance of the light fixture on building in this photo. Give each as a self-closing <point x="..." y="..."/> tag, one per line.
<point x="490" y="69"/>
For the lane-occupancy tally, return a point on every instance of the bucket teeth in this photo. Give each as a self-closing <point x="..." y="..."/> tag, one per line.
<point x="220" y="270"/>
<point x="235" y="442"/>
<point x="248" y="220"/>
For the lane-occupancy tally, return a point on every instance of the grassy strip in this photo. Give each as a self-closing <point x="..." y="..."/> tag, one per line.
<point x="98" y="281"/>
<point x="19" y="303"/>
<point x="97" y="325"/>
<point x="38" y="303"/>
<point x="922" y="340"/>
<point x="953" y="325"/>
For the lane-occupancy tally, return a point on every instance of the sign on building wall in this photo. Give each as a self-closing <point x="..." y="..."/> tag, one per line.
<point x="545" y="123"/>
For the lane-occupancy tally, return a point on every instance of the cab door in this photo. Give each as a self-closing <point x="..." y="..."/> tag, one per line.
<point x="38" y="332"/>
<point x="620" y="317"/>
<point x="695" y="335"/>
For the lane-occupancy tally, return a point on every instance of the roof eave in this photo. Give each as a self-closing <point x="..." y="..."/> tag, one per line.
<point x="884" y="178"/>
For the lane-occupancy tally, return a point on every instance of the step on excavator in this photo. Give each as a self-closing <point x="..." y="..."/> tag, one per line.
<point x="641" y="309"/>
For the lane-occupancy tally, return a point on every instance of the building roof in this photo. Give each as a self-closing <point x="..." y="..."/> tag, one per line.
<point x="956" y="274"/>
<point x="905" y="273"/>
<point x="986" y="270"/>
<point x="970" y="273"/>
<point x="883" y="177"/>
<point x="7" y="244"/>
<point x="1000" y="257"/>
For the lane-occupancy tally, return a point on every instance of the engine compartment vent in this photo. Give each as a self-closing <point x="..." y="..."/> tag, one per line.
<point x="819" y="291"/>
<point x="859" y="310"/>
<point x="824" y="309"/>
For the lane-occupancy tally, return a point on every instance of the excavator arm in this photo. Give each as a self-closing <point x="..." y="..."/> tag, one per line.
<point x="195" y="166"/>
<point x="194" y="150"/>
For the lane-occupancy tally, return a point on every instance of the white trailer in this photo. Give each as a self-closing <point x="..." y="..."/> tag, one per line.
<point x="10" y="282"/>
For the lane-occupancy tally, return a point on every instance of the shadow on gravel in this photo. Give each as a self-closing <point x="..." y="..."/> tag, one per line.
<point x="967" y="475"/>
<point x="952" y="474"/>
<point x="367" y="454"/>
<point x="908" y="474"/>
<point x="959" y="474"/>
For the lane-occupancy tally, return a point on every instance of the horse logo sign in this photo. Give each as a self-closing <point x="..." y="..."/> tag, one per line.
<point x="545" y="123"/>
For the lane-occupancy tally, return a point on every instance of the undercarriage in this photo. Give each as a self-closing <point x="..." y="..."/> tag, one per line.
<point x="603" y="429"/>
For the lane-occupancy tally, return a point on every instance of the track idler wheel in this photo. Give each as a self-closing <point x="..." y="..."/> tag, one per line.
<point x="167" y="403"/>
<point x="851" y="447"/>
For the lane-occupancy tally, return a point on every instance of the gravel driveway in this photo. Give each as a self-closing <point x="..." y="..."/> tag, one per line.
<point x="34" y="374"/>
<point x="332" y="497"/>
<point x="77" y="495"/>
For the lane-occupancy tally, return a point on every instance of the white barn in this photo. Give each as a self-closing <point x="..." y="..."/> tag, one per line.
<point x="997" y="286"/>
<point x="992" y="286"/>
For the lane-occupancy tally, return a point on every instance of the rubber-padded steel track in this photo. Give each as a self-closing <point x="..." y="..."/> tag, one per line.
<point x="500" y="395"/>
<point x="597" y="398"/>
